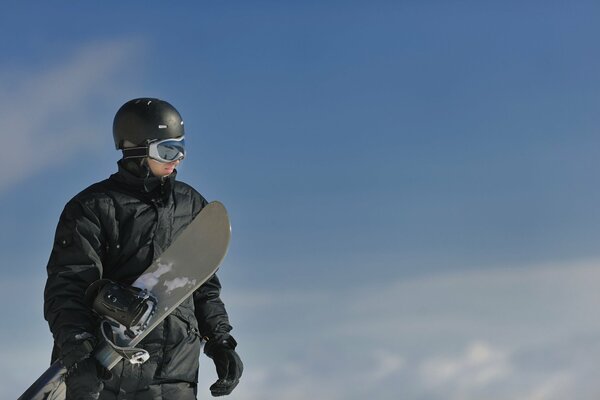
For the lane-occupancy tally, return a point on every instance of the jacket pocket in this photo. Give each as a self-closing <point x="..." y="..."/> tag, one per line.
<point x="181" y="349"/>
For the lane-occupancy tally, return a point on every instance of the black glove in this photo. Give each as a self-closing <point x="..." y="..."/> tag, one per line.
<point x="84" y="374"/>
<point x="84" y="380"/>
<point x="229" y="365"/>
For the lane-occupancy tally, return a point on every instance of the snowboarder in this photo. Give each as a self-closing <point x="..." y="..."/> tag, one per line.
<point x="113" y="230"/>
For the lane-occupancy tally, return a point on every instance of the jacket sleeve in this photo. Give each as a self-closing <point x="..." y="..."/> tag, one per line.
<point x="209" y="309"/>
<point x="75" y="262"/>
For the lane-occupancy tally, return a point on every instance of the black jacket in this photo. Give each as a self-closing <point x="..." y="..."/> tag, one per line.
<point x="114" y="229"/>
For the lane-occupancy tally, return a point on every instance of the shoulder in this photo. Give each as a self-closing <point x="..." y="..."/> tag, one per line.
<point x="95" y="199"/>
<point x="183" y="188"/>
<point x="187" y="193"/>
<point x="98" y="192"/>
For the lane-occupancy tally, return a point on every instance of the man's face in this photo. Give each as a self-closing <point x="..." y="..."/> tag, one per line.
<point x="162" y="169"/>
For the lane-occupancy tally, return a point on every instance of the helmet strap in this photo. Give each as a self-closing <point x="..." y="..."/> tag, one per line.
<point x="135" y="152"/>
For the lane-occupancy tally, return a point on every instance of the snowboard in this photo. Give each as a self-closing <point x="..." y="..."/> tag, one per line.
<point x="192" y="258"/>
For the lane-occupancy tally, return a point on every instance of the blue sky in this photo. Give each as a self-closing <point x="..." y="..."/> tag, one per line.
<point x="412" y="185"/>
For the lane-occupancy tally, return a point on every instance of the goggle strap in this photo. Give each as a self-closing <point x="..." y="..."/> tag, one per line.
<point x="135" y="152"/>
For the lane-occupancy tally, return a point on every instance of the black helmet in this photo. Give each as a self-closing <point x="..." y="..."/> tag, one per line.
<point x="140" y="120"/>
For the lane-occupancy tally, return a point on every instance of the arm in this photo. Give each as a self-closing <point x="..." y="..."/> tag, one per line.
<point x="210" y="311"/>
<point x="75" y="262"/>
<point x="214" y="326"/>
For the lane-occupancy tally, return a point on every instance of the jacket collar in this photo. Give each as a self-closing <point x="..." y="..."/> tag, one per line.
<point x="138" y="178"/>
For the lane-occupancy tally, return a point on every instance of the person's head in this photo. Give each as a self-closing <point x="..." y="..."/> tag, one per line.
<point x="150" y="130"/>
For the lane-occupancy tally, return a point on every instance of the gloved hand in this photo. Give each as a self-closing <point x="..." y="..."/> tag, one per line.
<point x="84" y="374"/>
<point x="229" y="365"/>
<point x="85" y="380"/>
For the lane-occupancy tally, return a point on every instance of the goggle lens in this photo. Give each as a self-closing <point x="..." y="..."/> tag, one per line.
<point x="168" y="150"/>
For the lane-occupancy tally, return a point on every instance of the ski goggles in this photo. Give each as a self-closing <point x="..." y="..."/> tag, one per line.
<point x="164" y="151"/>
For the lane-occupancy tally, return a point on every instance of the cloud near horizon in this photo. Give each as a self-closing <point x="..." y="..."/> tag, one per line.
<point x="516" y="333"/>
<point x="51" y="113"/>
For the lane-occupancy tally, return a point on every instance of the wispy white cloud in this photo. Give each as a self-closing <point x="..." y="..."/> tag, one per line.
<point x="50" y="114"/>
<point x="384" y="365"/>
<point x="477" y="367"/>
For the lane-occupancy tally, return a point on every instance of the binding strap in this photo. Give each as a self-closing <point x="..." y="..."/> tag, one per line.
<point x="133" y="354"/>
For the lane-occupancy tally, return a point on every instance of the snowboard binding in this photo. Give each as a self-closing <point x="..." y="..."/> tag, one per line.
<point x="126" y="305"/>
<point x="125" y="310"/>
